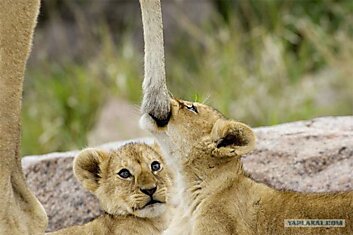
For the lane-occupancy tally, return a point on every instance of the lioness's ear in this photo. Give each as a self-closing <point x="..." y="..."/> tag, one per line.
<point x="87" y="167"/>
<point x="232" y="138"/>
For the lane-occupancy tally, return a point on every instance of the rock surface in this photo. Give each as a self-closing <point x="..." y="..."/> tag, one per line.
<point x="309" y="156"/>
<point x="64" y="200"/>
<point x="315" y="155"/>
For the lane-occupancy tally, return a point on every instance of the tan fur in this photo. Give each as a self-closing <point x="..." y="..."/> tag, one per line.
<point x="20" y="211"/>
<point x="219" y="198"/>
<point x="122" y="199"/>
<point x="155" y="92"/>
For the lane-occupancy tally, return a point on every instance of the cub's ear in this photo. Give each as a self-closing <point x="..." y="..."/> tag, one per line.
<point x="87" y="167"/>
<point x="232" y="138"/>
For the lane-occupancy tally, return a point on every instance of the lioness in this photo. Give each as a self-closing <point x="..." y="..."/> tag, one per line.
<point x="218" y="197"/>
<point x="132" y="186"/>
<point x="20" y="211"/>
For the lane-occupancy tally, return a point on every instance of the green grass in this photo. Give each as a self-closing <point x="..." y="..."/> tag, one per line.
<point x="58" y="115"/>
<point x="62" y="101"/>
<point x="264" y="63"/>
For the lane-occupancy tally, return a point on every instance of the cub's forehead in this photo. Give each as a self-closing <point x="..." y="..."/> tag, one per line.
<point x="135" y="153"/>
<point x="202" y="106"/>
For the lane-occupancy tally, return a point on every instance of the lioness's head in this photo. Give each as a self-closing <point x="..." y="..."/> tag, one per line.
<point x="191" y="123"/>
<point x="129" y="180"/>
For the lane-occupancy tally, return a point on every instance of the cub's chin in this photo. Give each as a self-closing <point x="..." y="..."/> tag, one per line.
<point x="151" y="211"/>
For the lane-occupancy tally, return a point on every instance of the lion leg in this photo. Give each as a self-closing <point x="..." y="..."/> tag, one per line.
<point x="20" y="211"/>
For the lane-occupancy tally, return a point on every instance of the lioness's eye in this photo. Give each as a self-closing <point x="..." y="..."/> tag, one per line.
<point x="192" y="108"/>
<point x="155" y="166"/>
<point x="124" y="173"/>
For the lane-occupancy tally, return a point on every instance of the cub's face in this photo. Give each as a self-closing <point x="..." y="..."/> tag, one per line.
<point x="130" y="180"/>
<point x="190" y="123"/>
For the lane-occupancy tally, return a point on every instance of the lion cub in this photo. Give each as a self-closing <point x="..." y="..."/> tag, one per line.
<point x="218" y="197"/>
<point x="132" y="186"/>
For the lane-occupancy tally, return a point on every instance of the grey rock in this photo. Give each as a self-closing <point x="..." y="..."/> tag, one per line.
<point x="308" y="156"/>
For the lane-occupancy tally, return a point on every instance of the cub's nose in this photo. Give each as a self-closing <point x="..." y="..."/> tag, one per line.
<point x="149" y="191"/>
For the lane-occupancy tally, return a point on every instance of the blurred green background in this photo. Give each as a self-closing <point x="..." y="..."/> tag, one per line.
<point x="263" y="62"/>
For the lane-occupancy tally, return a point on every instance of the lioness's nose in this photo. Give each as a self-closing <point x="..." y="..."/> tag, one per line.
<point x="149" y="191"/>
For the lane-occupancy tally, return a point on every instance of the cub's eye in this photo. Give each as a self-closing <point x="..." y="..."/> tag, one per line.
<point x="124" y="173"/>
<point x="155" y="166"/>
<point x="192" y="108"/>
